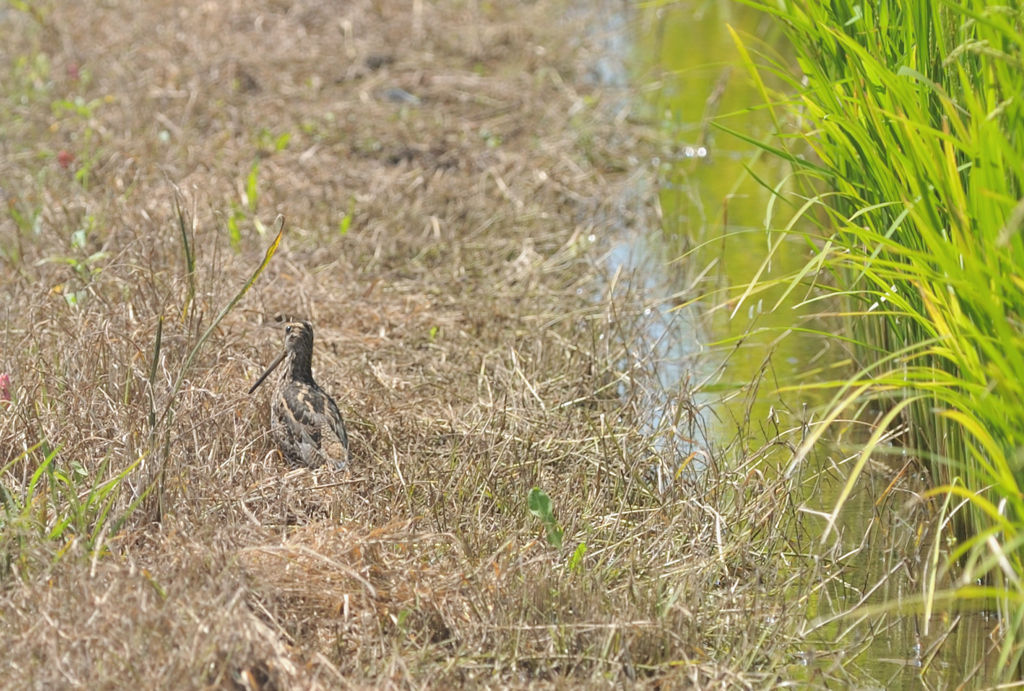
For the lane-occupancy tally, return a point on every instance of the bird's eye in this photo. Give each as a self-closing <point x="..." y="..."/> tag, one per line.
<point x="287" y="329"/>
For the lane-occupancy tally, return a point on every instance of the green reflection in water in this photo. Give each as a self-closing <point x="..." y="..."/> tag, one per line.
<point x="711" y="201"/>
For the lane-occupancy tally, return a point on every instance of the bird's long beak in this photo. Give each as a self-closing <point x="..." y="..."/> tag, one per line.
<point x="273" y="365"/>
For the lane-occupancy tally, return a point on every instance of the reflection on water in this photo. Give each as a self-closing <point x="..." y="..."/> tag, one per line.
<point x="736" y="350"/>
<point x="717" y="204"/>
<point x="670" y="354"/>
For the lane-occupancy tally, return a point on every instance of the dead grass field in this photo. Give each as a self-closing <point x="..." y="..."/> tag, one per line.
<point x="441" y="167"/>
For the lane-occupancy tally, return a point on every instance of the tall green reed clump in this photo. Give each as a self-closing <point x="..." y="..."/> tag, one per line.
<point x="915" y="113"/>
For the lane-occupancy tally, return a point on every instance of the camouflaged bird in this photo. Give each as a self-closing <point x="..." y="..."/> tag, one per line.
<point x="304" y="420"/>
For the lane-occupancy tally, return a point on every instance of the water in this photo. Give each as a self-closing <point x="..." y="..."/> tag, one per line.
<point x="740" y="354"/>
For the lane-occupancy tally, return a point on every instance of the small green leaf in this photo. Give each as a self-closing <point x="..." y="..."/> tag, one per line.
<point x="346" y="219"/>
<point x="577" y="557"/>
<point x="251" y="186"/>
<point x="78" y="472"/>
<point x="540" y="505"/>
<point x="233" y="230"/>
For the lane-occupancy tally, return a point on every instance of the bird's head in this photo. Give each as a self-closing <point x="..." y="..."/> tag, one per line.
<point x="298" y="337"/>
<point x="298" y="352"/>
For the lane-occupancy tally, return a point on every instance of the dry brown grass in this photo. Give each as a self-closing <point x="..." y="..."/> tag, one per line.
<point x="459" y="324"/>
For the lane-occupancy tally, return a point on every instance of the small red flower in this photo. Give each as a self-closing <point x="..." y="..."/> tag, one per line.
<point x="73" y="71"/>
<point x="65" y="158"/>
<point x="5" y="387"/>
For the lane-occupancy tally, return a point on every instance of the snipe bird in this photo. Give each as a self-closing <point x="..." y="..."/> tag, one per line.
<point x="304" y="419"/>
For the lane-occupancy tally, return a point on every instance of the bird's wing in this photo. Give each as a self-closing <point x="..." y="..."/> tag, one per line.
<point x="300" y="427"/>
<point x="312" y="427"/>
<point x="308" y="441"/>
<point x="333" y="436"/>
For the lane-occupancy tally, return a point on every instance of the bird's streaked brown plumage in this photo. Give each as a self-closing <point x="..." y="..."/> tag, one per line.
<point x="304" y="420"/>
